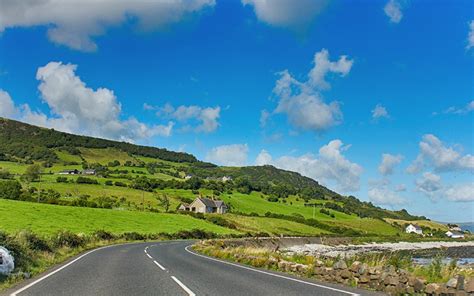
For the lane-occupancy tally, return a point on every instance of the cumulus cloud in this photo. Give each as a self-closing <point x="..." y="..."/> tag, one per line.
<point x="379" y="111"/>
<point x="229" y="155"/>
<point x="429" y="184"/>
<point x="393" y="9"/>
<point x="460" y="192"/>
<point x="385" y="196"/>
<point x="330" y="165"/>
<point x="287" y="13"/>
<point x="389" y="162"/>
<point x="75" y="23"/>
<point x="433" y="153"/>
<point x="76" y="108"/>
<point x="206" y="119"/>
<point x="470" y="37"/>
<point x="7" y="106"/>
<point x="302" y="101"/>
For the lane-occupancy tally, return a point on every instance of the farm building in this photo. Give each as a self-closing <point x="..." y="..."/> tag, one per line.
<point x="414" y="229"/>
<point x="205" y="205"/>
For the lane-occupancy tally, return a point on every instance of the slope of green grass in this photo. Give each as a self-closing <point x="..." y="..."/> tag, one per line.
<point x="272" y="226"/>
<point x="104" y="156"/>
<point x="48" y="219"/>
<point x="68" y="157"/>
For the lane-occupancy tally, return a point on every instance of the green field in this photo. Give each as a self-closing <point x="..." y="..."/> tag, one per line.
<point x="48" y="219"/>
<point x="272" y="226"/>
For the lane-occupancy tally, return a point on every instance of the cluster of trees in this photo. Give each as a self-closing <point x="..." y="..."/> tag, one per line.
<point x="12" y="189"/>
<point x="23" y="140"/>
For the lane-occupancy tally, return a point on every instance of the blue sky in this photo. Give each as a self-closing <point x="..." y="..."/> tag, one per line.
<point x="325" y="88"/>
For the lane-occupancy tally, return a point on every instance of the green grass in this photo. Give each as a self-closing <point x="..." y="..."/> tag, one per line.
<point x="68" y="157"/>
<point x="271" y="226"/>
<point x="104" y="156"/>
<point x="48" y="219"/>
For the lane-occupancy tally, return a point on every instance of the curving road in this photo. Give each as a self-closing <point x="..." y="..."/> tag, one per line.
<point x="167" y="268"/>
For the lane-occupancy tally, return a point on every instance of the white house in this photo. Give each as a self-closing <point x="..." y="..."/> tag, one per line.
<point x="454" y="234"/>
<point x="414" y="229"/>
<point x="226" y="178"/>
<point x="205" y="205"/>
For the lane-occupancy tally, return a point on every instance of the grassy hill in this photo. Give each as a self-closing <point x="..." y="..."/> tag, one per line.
<point x="130" y="180"/>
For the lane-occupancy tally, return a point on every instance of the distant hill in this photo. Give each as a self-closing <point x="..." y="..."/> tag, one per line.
<point x="24" y="143"/>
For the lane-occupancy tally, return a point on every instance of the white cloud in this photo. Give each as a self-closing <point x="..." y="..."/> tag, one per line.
<point x="263" y="158"/>
<point x="79" y="109"/>
<point x="469" y="107"/>
<point x="229" y="155"/>
<point x="385" y="196"/>
<point x="264" y="116"/>
<point x="389" y="162"/>
<point x="330" y="165"/>
<point x="206" y="117"/>
<point x="400" y="188"/>
<point x="393" y="9"/>
<point x="7" y="107"/>
<point x="460" y="192"/>
<point x="470" y="37"/>
<point x="433" y="153"/>
<point x="287" y="13"/>
<point x="302" y="101"/>
<point x="379" y="112"/>
<point x="74" y="23"/>
<point x="429" y="184"/>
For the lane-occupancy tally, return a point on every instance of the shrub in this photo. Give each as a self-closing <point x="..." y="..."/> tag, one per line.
<point x="32" y="241"/>
<point x="221" y="222"/>
<point x="85" y="180"/>
<point x="68" y="239"/>
<point x="61" y="180"/>
<point x="132" y="236"/>
<point x="120" y="184"/>
<point x="109" y="183"/>
<point x="103" y="235"/>
<point x="10" y="189"/>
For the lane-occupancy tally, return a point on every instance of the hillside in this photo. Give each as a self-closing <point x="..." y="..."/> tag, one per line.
<point x="136" y="178"/>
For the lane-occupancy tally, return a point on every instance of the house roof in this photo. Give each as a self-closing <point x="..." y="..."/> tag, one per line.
<point x="211" y="203"/>
<point x="416" y="226"/>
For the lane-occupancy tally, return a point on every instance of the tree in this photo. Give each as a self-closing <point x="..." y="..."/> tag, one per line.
<point x="10" y="189"/>
<point x="32" y="173"/>
<point x="164" y="201"/>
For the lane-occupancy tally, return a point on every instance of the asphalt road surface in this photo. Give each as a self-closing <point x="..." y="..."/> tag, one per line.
<point x="166" y="268"/>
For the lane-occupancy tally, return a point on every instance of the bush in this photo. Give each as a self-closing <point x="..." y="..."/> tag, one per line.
<point x="120" y="184"/>
<point x="10" y="189"/>
<point x="109" y="183"/>
<point x="32" y="241"/>
<point x="103" y="235"/>
<point x="68" y="239"/>
<point x="132" y="236"/>
<point x="85" y="180"/>
<point x="61" y="179"/>
<point x="221" y="222"/>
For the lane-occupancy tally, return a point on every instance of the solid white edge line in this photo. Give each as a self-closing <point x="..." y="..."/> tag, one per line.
<point x="271" y="274"/>
<point x="190" y="293"/>
<point x="55" y="271"/>
<point x="159" y="265"/>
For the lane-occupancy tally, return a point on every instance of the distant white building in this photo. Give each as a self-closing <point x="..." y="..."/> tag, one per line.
<point x="187" y="177"/>
<point x="226" y="178"/>
<point x="454" y="234"/>
<point x="414" y="229"/>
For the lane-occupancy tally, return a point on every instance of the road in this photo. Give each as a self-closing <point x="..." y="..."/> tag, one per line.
<point x="166" y="268"/>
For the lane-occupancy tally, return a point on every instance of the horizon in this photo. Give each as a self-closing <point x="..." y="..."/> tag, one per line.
<point x="357" y="96"/>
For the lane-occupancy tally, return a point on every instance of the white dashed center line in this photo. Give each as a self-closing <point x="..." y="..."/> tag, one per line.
<point x="159" y="265"/>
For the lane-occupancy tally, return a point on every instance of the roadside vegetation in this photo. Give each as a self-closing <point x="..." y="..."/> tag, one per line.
<point x="394" y="273"/>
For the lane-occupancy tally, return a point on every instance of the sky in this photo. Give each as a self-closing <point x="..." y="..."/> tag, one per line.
<point x="371" y="98"/>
